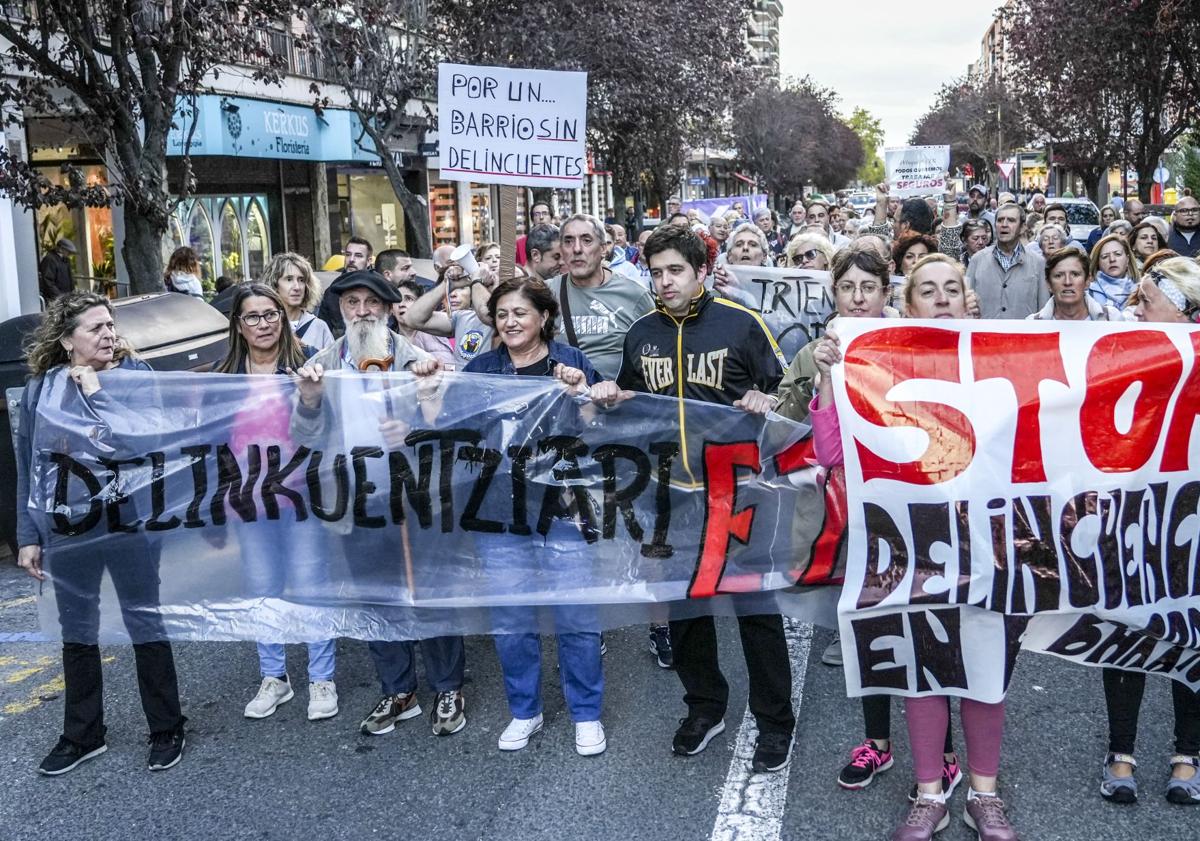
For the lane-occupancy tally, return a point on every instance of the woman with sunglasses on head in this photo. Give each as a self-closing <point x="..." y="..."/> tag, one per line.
<point x="935" y="288"/>
<point x="286" y="555"/>
<point x="293" y="279"/>
<point x="809" y="250"/>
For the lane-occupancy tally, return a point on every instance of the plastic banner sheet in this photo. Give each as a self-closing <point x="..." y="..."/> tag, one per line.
<point x="1024" y="485"/>
<point x="209" y="507"/>
<point x="794" y="303"/>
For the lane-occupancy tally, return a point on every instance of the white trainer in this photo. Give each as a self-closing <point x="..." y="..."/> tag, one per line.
<point x="516" y="734"/>
<point x="322" y="700"/>
<point x="271" y="694"/>
<point x="589" y="738"/>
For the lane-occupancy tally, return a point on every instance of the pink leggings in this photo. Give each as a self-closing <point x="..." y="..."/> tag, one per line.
<point x="983" y="725"/>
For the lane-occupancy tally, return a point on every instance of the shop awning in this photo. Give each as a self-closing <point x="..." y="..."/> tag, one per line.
<point x="257" y="128"/>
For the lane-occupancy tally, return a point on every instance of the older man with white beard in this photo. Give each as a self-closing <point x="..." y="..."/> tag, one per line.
<point x="364" y="298"/>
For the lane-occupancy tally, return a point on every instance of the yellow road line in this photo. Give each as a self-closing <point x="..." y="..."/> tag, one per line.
<point x="17" y="602"/>
<point x="21" y="674"/>
<point x="39" y="694"/>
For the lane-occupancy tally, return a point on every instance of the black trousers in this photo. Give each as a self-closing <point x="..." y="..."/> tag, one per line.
<point x="877" y="719"/>
<point x="706" y="692"/>
<point x="83" y="716"/>
<point x="1123" y="693"/>
<point x="132" y="564"/>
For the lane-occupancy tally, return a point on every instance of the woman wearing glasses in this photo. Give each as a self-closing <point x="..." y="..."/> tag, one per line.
<point x="285" y="555"/>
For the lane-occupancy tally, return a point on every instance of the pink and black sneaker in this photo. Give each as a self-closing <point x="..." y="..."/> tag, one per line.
<point x="952" y="775"/>
<point x="866" y="760"/>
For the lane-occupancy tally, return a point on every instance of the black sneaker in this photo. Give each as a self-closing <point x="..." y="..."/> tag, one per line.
<point x="166" y="749"/>
<point x="694" y="734"/>
<point x="771" y="752"/>
<point x="67" y="756"/>
<point x="660" y="646"/>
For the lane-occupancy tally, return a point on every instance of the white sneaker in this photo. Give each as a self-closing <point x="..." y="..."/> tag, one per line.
<point x="516" y="734"/>
<point x="322" y="700"/>
<point x="589" y="738"/>
<point x="271" y="694"/>
<point x="832" y="655"/>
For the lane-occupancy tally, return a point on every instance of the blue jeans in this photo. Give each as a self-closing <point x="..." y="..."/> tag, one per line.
<point x="282" y="554"/>
<point x="563" y="551"/>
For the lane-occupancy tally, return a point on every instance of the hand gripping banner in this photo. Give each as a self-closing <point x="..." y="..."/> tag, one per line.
<point x="1029" y="485"/>
<point x="209" y="507"/>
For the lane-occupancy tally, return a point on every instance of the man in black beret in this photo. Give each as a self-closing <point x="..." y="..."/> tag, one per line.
<point x="329" y="415"/>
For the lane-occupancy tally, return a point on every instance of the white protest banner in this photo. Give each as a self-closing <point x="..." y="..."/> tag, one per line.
<point x="917" y="170"/>
<point x="504" y="125"/>
<point x="1031" y="487"/>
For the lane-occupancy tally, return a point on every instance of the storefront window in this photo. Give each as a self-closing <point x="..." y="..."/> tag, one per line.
<point x="375" y="213"/>
<point x="258" y="243"/>
<point x="200" y="238"/>
<point x="90" y="229"/>
<point x="232" y="263"/>
<point x="443" y="213"/>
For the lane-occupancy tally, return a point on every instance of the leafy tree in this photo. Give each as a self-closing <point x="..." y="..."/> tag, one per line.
<point x="661" y="76"/>
<point x="870" y="134"/>
<point x="382" y="55"/>
<point x="792" y="135"/>
<point x="980" y="120"/>
<point x="1151" y="100"/>
<point x="120" y="70"/>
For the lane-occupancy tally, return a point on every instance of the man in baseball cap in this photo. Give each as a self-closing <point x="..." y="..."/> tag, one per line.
<point x="977" y="206"/>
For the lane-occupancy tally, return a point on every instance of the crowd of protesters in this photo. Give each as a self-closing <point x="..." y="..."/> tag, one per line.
<point x="589" y="305"/>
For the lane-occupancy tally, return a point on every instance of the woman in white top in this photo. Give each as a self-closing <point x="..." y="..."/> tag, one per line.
<point x="292" y="277"/>
<point x="1068" y="278"/>
<point x="183" y="273"/>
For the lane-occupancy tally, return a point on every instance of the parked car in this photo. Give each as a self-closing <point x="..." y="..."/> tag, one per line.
<point x="861" y="202"/>
<point x="1082" y="215"/>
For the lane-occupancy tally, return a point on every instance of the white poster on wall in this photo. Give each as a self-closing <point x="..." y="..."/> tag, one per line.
<point x="504" y="125"/>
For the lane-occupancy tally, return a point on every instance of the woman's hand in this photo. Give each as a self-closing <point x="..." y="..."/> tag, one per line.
<point x="572" y="378"/>
<point x="85" y="377"/>
<point x="972" y="303"/>
<point x="309" y="382"/>
<point x="827" y="353"/>
<point x="29" y="558"/>
<point x="394" y="432"/>
<point x="608" y="394"/>
<point x="756" y="403"/>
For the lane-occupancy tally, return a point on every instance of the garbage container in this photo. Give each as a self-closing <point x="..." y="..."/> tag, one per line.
<point x="172" y="332"/>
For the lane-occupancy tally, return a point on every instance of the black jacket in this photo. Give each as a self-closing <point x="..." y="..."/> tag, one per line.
<point x="1177" y="243"/>
<point x="715" y="354"/>
<point x="54" y="276"/>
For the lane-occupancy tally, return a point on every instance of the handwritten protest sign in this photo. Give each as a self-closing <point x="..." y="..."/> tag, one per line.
<point x="917" y="170"/>
<point x="1031" y="489"/>
<point x="503" y="125"/>
<point x="794" y="303"/>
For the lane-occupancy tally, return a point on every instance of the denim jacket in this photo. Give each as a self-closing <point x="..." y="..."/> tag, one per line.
<point x="499" y="362"/>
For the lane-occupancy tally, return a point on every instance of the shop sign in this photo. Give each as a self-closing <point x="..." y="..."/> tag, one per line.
<point x="255" y="128"/>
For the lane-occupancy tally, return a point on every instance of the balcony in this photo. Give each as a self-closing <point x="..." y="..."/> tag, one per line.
<point x="299" y="57"/>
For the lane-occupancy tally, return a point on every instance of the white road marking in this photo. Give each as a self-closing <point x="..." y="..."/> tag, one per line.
<point x="752" y="805"/>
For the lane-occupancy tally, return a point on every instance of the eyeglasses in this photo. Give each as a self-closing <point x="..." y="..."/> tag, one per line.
<point x="865" y="289"/>
<point x="254" y="318"/>
<point x="807" y="256"/>
<point x="1182" y="210"/>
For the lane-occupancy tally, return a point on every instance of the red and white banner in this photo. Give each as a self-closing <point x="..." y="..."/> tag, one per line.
<point x="1019" y="485"/>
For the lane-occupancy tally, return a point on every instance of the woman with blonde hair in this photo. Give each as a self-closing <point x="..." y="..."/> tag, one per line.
<point x="293" y="279"/>
<point x="1114" y="271"/>
<point x="73" y="346"/>
<point x="809" y="250"/>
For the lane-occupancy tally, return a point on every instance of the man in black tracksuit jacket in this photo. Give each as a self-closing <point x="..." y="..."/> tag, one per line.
<point x="699" y="347"/>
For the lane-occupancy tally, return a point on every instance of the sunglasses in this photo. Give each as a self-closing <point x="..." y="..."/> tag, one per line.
<point x="807" y="256"/>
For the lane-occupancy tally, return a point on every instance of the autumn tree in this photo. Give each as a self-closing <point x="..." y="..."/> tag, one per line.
<point x="789" y="136"/>
<point x="122" y="71"/>
<point x="382" y="56"/>
<point x="979" y="119"/>
<point x="1093" y="114"/>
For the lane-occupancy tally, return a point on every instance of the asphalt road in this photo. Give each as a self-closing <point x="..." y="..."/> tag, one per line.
<point x="285" y="778"/>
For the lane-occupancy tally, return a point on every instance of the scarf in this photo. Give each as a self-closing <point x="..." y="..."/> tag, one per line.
<point x="1113" y="291"/>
